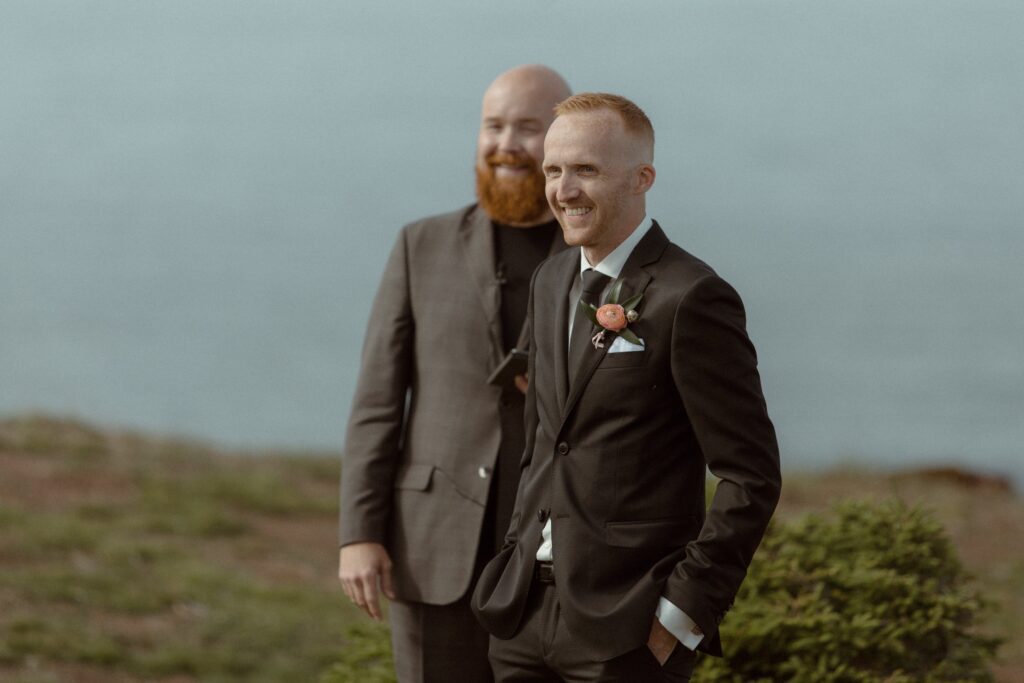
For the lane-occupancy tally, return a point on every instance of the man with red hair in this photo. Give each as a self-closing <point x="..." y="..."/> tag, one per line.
<point x="432" y="452"/>
<point x="641" y="377"/>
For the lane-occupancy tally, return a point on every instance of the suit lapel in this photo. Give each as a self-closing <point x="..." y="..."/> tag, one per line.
<point x="477" y="239"/>
<point x="635" y="277"/>
<point x="562" y="313"/>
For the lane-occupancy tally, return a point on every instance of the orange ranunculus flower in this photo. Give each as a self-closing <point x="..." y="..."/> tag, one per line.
<point x="611" y="317"/>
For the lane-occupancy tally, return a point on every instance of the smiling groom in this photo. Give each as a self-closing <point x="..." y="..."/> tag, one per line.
<point x="612" y="568"/>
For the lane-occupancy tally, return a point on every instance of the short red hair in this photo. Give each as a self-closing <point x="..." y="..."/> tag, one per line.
<point x="633" y="117"/>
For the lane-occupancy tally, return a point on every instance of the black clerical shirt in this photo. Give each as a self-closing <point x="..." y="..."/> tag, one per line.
<point x="518" y="252"/>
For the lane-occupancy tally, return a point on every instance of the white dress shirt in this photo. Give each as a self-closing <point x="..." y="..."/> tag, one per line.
<point x="671" y="617"/>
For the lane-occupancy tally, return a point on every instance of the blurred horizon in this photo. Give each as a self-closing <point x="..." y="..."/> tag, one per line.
<point x="197" y="200"/>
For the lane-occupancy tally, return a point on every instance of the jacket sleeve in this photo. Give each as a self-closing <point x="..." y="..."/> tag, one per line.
<point x="714" y="367"/>
<point x="373" y="441"/>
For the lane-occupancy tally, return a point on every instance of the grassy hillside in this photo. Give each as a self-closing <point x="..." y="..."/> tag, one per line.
<point x="124" y="558"/>
<point x="131" y="559"/>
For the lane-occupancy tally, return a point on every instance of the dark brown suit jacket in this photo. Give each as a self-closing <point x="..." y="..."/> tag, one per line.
<point x="424" y="431"/>
<point x="618" y="460"/>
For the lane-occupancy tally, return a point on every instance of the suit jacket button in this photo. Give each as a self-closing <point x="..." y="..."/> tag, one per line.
<point x="563" y="448"/>
<point x="542" y="516"/>
<point x="483" y="472"/>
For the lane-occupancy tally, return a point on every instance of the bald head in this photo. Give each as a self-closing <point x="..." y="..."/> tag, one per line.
<point x="535" y="82"/>
<point x="518" y="107"/>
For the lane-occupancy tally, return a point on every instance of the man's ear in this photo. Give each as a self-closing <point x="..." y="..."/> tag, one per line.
<point x="644" y="178"/>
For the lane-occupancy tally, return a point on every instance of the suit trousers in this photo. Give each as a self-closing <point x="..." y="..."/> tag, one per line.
<point x="444" y="643"/>
<point x="543" y="651"/>
<point x="438" y="643"/>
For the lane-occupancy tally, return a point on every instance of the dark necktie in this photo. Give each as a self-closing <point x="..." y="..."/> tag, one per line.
<point x="582" y="328"/>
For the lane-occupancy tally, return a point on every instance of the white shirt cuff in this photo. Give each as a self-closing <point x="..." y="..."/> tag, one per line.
<point x="678" y="624"/>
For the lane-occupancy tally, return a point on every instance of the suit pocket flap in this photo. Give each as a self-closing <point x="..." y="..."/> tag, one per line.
<point x="415" y="477"/>
<point x="656" y="532"/>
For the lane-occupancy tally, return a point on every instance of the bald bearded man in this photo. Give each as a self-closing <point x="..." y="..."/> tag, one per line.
<point x="431" y="459"/>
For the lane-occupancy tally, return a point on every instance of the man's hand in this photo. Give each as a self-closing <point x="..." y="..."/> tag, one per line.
<point x="521" y="382"/>
<point x="360" y="567"/>
<point x="661" y="642"/>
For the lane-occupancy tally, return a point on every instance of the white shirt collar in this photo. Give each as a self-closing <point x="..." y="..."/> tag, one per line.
<point x="612" y="264"/>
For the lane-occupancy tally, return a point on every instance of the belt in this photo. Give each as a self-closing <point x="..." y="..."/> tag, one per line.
<point x="544" y="572"/>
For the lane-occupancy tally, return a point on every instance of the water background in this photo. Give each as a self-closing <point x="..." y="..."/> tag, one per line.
<point x="197" y="199"/>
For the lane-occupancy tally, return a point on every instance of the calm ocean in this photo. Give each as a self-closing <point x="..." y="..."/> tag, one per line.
<point x="197" y="199"/>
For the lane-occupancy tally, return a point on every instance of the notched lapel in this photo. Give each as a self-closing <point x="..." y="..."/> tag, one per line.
<point x="635" y="278"/>
<point x="477" y="239"/>
<point x="562" y="312"/>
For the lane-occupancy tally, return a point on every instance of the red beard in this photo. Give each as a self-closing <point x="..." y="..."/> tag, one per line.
<point x="511" y="200"/>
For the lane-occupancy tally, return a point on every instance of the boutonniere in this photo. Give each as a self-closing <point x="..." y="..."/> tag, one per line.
<point x="613" y="316"/>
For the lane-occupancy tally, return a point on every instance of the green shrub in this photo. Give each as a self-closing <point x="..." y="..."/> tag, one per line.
<point x="870" y="593"/>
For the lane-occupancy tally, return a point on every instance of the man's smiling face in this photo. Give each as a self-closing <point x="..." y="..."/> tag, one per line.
<point x="591" y="180"/>
<point x="517" y="110"/>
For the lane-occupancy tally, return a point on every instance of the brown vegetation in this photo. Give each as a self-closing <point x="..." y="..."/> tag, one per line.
<point x="190" y="534"/>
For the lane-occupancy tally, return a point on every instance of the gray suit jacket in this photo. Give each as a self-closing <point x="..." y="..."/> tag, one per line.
<point x="617" y="460"/>
<point x="424" y="431"/>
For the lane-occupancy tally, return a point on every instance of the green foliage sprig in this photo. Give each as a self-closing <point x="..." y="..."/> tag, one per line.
<point x="627" y="309"/>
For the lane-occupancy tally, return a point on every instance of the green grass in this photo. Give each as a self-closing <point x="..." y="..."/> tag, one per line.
<point x="367" y="659"/>
<point x="147" y="560"/>
<point x="225" y="625"/>
<point x="129" y="559"/>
